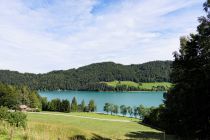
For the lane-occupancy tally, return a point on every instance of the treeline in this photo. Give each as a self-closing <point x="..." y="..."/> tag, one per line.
<point x="66" y="106"/>
<point x="89" y="77"/>
<point x="141" y="111"/>
<point x="13" y="96"/>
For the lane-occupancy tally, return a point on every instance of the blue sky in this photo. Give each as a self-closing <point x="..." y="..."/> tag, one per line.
<point x="43" y="35"/>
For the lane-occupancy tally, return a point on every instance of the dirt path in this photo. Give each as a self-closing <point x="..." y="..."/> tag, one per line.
<point x="84" y="117"/>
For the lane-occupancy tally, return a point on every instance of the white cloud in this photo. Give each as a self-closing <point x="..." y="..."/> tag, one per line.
<point x="42" y="36"/>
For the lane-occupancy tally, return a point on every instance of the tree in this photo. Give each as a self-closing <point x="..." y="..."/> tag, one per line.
<point x="123" y="110"/>
<point x="111" y="108"/>
<point x="9" y="96"/>
<point x="24" y="94"/>
<point x="130" y="111"/>
<point x="17" y="119"/>
<point x="106" y="107"/>
<point x="187" y="104"/>
<point x="92" y="106"/>
<point x="13" y="96"/>
<point x="74" y="106"/>
<point x="153" y="118"/>
<point x="86" y="109"/>
<point x="54" y="105"/>
<point x="3" y="113"/>
<point x="143" y="111"/>
<point x="83" y="106"/>
<point x="34" y="100"/>
<point x="135" y="113"/>
<point x="65" y="106"/>
<point x="116" y="109"/>
<point x="44" y="103"/>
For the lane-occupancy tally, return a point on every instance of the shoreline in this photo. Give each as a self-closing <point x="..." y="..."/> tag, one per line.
<point x="98" y="91"/>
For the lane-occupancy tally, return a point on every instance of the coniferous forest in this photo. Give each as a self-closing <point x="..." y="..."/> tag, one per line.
<point x="89" y="77"/>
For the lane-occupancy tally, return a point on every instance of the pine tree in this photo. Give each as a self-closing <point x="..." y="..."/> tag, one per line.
<point x="74" y="105"/>
<point x="187" y="104"/>
<point x="83" y="106"/>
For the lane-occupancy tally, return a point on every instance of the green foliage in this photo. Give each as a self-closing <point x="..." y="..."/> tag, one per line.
<point x="8" y="96"/>
<point x="74" y="105"/>
<point x="144" y="111"/>
<point x="54" y="105"/>
<point x="116" y="109"/>
<point x="34" y="100"/>
<point x="130" y="111"/>
<point x="123" y="110"/>
<point x="83" y="106"/>
<point x="3" y="113"/>
<point x="154" y="116"/>
<point x="92" y="106"/>
<point x="89" y="77"/>
<point x="111" y="108"/>
<point x="17" y="119"/>
<point x="65" y="106"/>
<point x="44" y="103"/>
<point x="135" y="111"/>
<point x="12" y="97"/>
<point x="187" y="107"/>
<point x="107" y="107"/>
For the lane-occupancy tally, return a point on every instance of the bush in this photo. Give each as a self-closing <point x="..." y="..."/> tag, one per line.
<point x="3" y="113"/>
<point x="153" y="118"/>
<point x="17" y="119"/>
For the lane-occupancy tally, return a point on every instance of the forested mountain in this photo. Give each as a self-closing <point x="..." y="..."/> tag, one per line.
<point x="90" y="76"/>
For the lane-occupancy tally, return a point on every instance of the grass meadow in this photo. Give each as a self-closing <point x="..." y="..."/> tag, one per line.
<point x="147" y="86"/>
<point x="61" y="126"/>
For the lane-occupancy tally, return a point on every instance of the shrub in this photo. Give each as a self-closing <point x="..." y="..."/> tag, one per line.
<point x="3" y="113"/>
<point x="17" y="119"/>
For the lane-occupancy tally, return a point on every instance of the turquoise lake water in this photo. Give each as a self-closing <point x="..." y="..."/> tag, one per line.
<point x="147" y="98"/>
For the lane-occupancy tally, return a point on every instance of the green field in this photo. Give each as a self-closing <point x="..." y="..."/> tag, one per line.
<point x="54" y="125"/>
<point x="146" y="86"/>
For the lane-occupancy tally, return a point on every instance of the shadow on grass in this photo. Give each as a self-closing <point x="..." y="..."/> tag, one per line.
<point x="78" y="137"/>
<point x="94" y="137"/>
<point x="97" y="137"/>
<point x="144" y="135"/>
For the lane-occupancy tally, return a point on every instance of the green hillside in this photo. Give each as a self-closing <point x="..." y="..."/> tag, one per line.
<point x="90" y="77"/>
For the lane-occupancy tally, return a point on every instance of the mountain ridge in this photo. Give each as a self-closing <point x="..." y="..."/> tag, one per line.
<point x="81" y="78"/>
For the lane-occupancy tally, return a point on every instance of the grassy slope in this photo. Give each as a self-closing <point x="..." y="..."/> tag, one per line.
<point x="142" y="85"/>
<point x="46" y="126"/>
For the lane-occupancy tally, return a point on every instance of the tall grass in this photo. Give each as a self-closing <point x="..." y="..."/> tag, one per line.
<point x="38" y="131"/>
<point x="50" y="127"/>
<point x="8" y="132"/>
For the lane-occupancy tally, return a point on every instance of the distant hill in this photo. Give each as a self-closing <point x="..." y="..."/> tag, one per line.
<point x="90" y="77"/>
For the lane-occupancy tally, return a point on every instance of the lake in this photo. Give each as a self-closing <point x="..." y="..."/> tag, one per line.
<point x="146" y="98"/>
